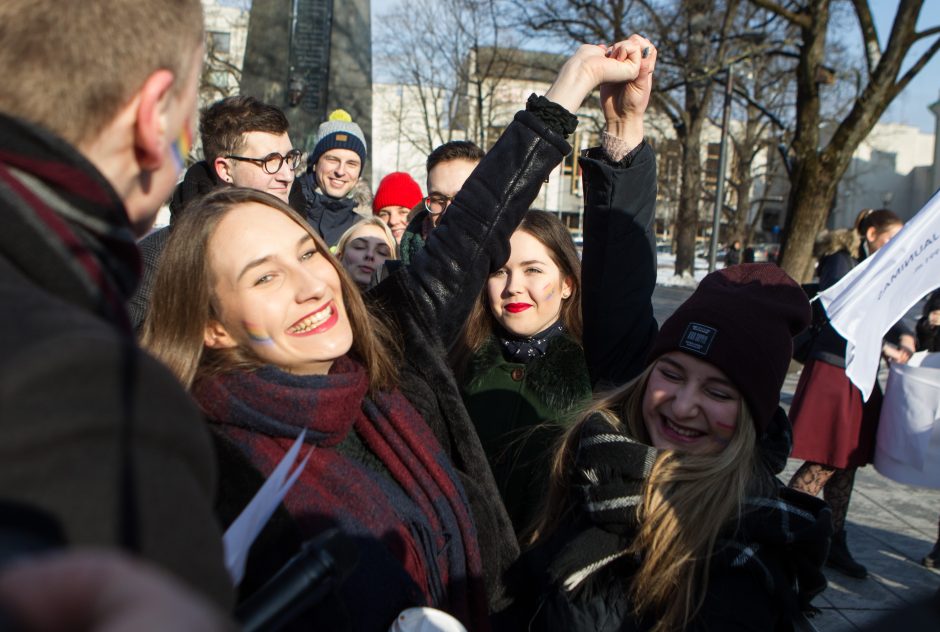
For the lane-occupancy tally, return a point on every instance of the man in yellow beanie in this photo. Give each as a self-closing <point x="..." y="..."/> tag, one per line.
<point x="333" y="169"/>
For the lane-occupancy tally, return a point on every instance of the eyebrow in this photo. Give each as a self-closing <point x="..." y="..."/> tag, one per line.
<point x="254" y="263"/>
<point x="531" y="261"/>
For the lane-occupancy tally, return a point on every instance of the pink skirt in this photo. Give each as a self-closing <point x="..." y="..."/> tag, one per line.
<point x="831" y="424"/>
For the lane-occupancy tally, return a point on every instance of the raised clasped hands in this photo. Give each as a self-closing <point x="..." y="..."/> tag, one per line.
<point x="623" y="71"/>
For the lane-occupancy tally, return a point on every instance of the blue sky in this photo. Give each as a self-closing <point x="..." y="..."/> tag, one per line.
<point x="911" y="105"/>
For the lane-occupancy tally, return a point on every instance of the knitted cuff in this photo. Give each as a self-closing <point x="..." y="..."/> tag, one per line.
<point x="617" y="148"/>
<point x="554" y="116"/>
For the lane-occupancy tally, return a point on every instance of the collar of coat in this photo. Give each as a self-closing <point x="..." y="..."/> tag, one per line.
<point x="559" y="377"/>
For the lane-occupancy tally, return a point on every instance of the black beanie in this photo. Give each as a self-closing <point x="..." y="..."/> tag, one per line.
<point x="742" y="319"/>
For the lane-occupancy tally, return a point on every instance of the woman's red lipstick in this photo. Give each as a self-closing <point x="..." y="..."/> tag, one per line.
<point x="515" y="308"/>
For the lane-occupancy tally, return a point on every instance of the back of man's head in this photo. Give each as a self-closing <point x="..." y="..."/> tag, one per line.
<point x="71" y="66"/>
<point x="455" y="150"/>
<point x="223" y="124"/>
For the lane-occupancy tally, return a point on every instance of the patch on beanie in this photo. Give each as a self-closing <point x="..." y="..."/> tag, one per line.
<point x="341" y="138"/>
<point x="698" y="338"/>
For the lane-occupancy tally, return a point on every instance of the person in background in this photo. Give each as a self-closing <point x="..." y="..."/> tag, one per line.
<point x="928" y="339"/>
<point x="733" y="253"/>
<point x="833" y="429"/>
<point x="334" y="168"/>
<point x="364" y="248"/>
<point x="94" y="125"/>
<point x="448" y="167"/>
<point x="245" y="143"/>
<point x="394" y="200"/>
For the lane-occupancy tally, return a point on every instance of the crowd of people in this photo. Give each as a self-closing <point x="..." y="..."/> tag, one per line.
<point x="502" y="433"/>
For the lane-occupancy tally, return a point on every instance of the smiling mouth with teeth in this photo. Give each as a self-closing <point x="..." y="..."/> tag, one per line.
<point x="682" y="432"/>
<point x="314" y="322"/>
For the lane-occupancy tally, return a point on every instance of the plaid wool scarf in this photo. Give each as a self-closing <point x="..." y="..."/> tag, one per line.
<point x="609" y="478"/>
<point x="414" y="516"/>
<point x="64" y="226"/>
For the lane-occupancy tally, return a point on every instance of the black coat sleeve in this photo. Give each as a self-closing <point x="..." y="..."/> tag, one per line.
<point x="445" y="278"/>
<point x="619" y="266"/>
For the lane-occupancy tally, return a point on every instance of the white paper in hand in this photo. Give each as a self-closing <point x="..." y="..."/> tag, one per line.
<point x="241" y="534"/>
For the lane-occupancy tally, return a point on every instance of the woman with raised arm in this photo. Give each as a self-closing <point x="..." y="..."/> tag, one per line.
<point x="520" y="362"/>
<point x="274" y="339"/>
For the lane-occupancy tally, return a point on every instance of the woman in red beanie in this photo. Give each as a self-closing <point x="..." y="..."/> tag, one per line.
<point x="397" y="194"/>
<point x="664" y="512"/>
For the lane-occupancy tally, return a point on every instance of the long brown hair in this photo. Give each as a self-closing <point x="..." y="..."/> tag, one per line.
<point x="688" y="500"/>
<point x="552" y="234"/>
<point x="183" y="300"/>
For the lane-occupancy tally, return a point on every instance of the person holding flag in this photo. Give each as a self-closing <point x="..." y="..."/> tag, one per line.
<point x="833" y="428"/>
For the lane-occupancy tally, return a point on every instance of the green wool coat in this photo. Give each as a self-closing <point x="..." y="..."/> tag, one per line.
<point x="520" y="411"/>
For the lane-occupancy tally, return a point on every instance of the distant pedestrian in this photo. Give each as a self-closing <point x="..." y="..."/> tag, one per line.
<point x="733" y="253"/>
<point x="928" y="339"/>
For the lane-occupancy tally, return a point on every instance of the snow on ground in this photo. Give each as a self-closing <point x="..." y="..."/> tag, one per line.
<point x="666" y="268"/>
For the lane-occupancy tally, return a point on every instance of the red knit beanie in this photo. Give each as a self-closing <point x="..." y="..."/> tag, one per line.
<point x="397" y="189"/>
<point x="742" y="320"/>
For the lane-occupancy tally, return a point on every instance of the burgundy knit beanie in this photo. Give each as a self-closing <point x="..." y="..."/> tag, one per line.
<point x="742" y="319"/>
<point x="396" y="189"/>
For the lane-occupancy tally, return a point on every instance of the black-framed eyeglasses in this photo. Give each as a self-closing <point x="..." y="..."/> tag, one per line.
<point x="272" y="162"/>
<point x="437" y="203"/>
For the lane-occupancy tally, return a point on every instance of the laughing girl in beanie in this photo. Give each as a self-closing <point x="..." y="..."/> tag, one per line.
<point x="664" y="512"/>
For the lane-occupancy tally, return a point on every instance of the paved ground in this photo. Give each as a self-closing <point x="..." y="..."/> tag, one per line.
<point x="890" y="528"/>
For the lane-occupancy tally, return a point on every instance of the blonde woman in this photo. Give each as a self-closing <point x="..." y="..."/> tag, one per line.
<point x="364" y="248"/>
<point x="664" y="513"/>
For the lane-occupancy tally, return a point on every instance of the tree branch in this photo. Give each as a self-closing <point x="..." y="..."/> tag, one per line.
<point x="797" y="19"/>
<point x="869" y="34"/>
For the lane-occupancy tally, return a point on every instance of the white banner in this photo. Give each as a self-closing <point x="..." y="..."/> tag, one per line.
<point x="878" y="292"/>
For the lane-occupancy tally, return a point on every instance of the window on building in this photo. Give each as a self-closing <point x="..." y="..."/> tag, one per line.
<point x="219" y="42"/>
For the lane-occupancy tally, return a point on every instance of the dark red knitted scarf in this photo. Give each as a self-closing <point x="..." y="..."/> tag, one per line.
<point x="419" y="512"/>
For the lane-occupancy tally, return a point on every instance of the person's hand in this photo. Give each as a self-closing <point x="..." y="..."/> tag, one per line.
<point x="934" y="318"/>
<point x="590" y="67"/>
<point x="101" y="591"/>
<point x="625" y="103"/>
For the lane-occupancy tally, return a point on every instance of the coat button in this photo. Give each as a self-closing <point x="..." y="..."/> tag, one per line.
<point x="517" y="374"/>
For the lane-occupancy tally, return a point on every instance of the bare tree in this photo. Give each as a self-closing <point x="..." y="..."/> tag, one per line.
<point x="817" y="167"/>
<point x="450" y="57"/>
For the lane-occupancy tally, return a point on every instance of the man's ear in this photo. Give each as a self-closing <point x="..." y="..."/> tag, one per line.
<point x="216" y="336"/>
<point x="223" y="169"/>
<point x="151" y="133"/>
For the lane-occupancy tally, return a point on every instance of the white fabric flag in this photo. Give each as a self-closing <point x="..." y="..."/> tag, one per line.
<point x="878" y="292"/>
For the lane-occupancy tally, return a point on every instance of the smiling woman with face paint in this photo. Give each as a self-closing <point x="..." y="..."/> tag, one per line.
<point x="664" y="513"/>
<point x="253" y="313"/>
<point x="520" y="364"/>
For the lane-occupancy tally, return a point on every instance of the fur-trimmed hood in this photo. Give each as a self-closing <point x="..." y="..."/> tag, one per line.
<point x="829" y="242"/>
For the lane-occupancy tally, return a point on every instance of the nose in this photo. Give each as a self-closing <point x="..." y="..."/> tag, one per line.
<point x="310" y="286"/>
<point x="685" y="404"/>
<point x="513" y="285"/>
<point x="370" y="254"/>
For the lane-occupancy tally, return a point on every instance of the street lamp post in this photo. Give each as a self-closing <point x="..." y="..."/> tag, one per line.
<point x="722" y="164"/>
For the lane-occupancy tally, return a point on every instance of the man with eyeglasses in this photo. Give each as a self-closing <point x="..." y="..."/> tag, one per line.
<point x="245" y="143"/>
<point x="448" y="168"/>
<point x="333" y="170"/>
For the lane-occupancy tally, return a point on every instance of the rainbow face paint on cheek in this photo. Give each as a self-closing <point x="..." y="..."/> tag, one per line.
<point x="551" y="294"/>
<point x="257" y="334"/>
<point x="723" y="432"/>
<point x="182" y="145"/>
